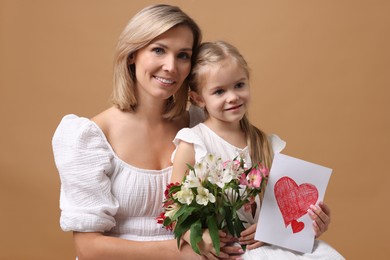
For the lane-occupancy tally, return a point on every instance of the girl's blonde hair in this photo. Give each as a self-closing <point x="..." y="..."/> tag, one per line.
<point x="145" y="26"/>
<point x="210" y="53"/>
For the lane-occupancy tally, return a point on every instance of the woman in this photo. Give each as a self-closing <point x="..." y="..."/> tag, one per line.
<point x="114" y="167"/>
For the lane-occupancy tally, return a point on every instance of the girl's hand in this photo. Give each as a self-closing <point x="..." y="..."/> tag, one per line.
<point x="320" y="214"/>
<point x="248" y="238"/>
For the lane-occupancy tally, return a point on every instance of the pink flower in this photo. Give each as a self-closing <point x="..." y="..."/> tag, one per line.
<point x="169" y="186"/>
<point x="160" y="220"/>
<point x="243" y="180"/>
<point x="254" y="178"/>
<point x="264" y="170"/>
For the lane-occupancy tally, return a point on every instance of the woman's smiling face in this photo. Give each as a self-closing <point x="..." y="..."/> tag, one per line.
<point x="162" y="66"/>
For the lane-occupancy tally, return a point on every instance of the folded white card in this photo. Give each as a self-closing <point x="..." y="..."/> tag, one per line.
<point x="293" y="185"/>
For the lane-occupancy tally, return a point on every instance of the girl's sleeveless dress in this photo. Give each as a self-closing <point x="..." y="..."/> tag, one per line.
<point x="206" y="141"/>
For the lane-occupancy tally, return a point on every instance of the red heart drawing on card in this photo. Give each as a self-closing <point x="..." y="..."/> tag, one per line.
<point x="297" y="226"/>
<point x="294" y="200"/>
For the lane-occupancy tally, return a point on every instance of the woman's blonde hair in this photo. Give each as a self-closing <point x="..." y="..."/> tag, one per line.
<point x="145" y="26"/>
<point x="210" y="53"/>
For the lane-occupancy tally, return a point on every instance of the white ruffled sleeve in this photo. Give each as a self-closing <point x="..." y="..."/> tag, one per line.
<point x="277" y="144"/>
<point x="189" y="136"/>
<point x="84" y="162"/>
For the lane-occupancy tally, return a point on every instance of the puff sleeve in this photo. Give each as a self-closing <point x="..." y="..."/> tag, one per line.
<point x="84" y="162"/>
<point x="277" y="143"/>
<point x="189" y="136"/>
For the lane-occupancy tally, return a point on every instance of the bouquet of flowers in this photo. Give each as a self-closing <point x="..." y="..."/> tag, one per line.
<point x="209" y="197"/>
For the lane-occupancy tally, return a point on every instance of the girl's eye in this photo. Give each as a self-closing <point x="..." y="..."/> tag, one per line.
<point x="184" y="56"/>
<point x="240" y="85"/>
<point x="219" y="92"/>
<point x="158" y="50"/>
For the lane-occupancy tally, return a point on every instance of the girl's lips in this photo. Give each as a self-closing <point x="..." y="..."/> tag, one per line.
<point x="233" y="108"/>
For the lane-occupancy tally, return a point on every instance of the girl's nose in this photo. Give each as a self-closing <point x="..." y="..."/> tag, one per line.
<point x="232" y="97"/>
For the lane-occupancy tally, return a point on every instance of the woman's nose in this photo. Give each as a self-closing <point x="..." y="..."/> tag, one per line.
<point x="170" y="63"/>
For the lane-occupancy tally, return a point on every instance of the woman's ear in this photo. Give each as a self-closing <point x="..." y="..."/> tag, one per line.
<point x="130" y="59"/>
<point x="197" y="99"/>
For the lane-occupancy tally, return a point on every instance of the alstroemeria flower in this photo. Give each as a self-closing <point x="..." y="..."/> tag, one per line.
<point x="264" y="170"/>
<point x="184" y="196"/>
<point x="254" y="178"/>
<point x="171" y="210"/>
<point x="232" y="171"/>
<point x="169" y="186"/>
<point x="204" y="196"/>
<point x="192" y="181"/>
<point x="201" y="171"/>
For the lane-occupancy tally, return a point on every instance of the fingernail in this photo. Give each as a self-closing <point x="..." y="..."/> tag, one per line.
<point x="310" y="212"/>
<point x="313" y="207"/>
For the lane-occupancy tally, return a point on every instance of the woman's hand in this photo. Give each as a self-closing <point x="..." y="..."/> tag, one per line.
<point x="320" y="214"/>
<point x="230" y="247"/>
<point x="206" y="246"/>
<point x="248" y="238"/>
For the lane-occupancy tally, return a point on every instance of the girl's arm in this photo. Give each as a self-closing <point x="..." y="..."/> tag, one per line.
<point x="97" y="246"/>
<point x="185" y="154"/>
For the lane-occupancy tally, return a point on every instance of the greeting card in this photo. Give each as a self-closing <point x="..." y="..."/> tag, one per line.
<point x="293" y="186"/>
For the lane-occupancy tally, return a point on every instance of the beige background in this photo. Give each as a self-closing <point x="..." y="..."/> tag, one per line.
<point x="320" y="81"/>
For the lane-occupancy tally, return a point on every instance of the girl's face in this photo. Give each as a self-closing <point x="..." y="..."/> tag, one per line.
<point x="224" y="91"/>
<point x="163" y="65"/>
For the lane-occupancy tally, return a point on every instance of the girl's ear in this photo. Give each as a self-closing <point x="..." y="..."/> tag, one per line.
<point x="197" y="99"/>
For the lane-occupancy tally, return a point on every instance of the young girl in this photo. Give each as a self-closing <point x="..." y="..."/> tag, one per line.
<point x="219" y="84"/>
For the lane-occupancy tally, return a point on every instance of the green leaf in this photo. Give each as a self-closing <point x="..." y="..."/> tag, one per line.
<point x="238" y="226"/>
<point x="196" y="235"/>
<point x="183" y="225"/>
<point x="213" y="229"/>
<point x="229" y="219"/>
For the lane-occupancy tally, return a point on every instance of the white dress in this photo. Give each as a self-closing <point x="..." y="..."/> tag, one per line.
<point x="102" y="193"/>
<point x="206" y="141"/>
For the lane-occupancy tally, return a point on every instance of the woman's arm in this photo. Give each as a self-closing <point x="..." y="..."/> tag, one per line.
<point x="97" y="246"/>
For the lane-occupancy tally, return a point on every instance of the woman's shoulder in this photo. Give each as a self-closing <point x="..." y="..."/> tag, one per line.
<point x="74" y="130"/>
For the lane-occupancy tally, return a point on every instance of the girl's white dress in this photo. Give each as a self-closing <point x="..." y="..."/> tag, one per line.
<point x="206" y="141"/>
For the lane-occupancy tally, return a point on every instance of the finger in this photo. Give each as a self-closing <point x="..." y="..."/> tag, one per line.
<point x="228" y="239"/>
<point x="256" y="244"/>
<point x="316" y="213"/>
<point x="317" y="230"/>
<point x="324" y="208"/>
<point x="251" y="229"/>
<point x="318" y="224"/>
<point x="251" y="237"/>
<point x="211" y="256"/>
<point x="232" y="250"/>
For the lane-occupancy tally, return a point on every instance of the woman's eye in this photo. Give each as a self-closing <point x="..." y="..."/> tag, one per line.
<point x="158" y="50"/>
<point x="184" y="56"/>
